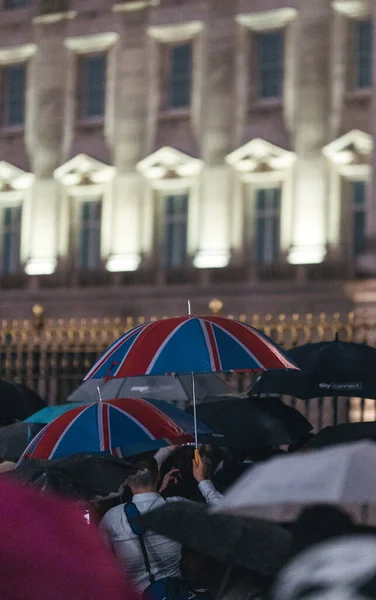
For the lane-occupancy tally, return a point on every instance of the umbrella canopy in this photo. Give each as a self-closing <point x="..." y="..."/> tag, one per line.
<point x="17" y="402"/>
<point x="82" y="477"/>
<point x="189" y="345"/>
<point x="123" y="426"/>
<point x="340" y="434"/>
<point x="344" y="474"/>
<point x="249" y="424"/>
<point x="251" y="544"/>
<point x="158" y="387"/>
<point x="327" y="369"/>
<point x="49" y="551"/>
<point x="15" y="438"/>
<point x="49" y="413"/>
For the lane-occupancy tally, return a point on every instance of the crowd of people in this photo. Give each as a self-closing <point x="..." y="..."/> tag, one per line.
<point x="329" y="556"/>
<point x="49" y="551"/>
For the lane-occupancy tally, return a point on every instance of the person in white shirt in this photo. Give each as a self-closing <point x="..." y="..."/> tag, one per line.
<point x="163" y="553"/>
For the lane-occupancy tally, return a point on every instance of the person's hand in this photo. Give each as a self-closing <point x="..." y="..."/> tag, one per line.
<point x="199" y="469"/>
<point x="170" y="477"/>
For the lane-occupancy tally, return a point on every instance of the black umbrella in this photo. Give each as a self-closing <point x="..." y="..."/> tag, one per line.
<point x="15" y="438"/>
<point x="250" y="544"/>
<point x="327" y="369"/>
<point x="340" y="434"/>
<point x="17" y="402"/>
<point x="82" y="476"/>
<point x="249" y="423"/>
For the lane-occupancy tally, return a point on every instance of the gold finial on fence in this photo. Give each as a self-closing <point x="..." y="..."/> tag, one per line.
<point x="38" y="312"/>
<point x="215" y="305"/>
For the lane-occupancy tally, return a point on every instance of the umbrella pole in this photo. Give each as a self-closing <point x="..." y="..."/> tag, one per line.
<point x="197" y="458"/>
<point x="194" y="410"/>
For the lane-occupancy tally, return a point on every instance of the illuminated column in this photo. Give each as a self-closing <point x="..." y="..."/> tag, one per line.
<point x="44" y="136"/>
<point x="126" y="134"/>
<point x="125" y="244"/>
<point x="311" y="132"/>
<point x="43" y="228"/>
<point x="216" y="137"/>
<point x="367" y="262"/>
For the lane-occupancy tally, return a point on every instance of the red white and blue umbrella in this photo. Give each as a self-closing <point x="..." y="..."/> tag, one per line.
<point x="122" y="427"/>
<point x="190" y="345"/>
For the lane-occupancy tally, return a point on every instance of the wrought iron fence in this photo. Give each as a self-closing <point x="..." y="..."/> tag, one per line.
<point x="53" y="356"/>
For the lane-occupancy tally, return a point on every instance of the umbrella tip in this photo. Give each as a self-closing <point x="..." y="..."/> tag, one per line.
<point x="189" y="309"/>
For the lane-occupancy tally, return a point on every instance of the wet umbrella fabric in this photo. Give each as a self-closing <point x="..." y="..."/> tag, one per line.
<point x="15" y="438"/>
<point x="17" y="402"/>
<point x="251" y="423"/>
<point x="340" y="434"/>
<point x="327" y="369"/>
<point x="49" y="552"/>
<point x="158" y="387"/>
<point x="189" y="345"/>
<point x="49" y="413"/>
<point x="82" y="476"/>
<point x="343" y="475"/>
<point x="251" y="544"/>
<point x="123" y="427"/>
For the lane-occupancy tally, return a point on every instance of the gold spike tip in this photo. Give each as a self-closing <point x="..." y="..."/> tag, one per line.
<point x="215" y="305"/>
<point x="38" y="310"/>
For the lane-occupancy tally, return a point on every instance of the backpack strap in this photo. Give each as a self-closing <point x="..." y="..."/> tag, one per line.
<point x="134" y="519"/>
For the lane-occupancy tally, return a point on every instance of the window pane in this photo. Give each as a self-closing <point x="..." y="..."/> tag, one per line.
<point x="270" y="51"/>
<point x="180" y="76"/>
<point x="11" y="239"/>
<point x="176" y="221"/>
<point x="359" y="236"/>
<point x="13" y="4"/>
<point x="267" y="225"/>
<point x="89" y="258"/>
<point x="358" y="191"/>
<point x="94" y="85"/>
<point x="363" y="50"/>
<point x="14" y="94"/>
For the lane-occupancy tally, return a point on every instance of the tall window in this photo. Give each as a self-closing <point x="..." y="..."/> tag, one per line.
<point x="93" y="86"/>
<point x="176" y="226"/>
<point x="89" y="246"/>
<point x="358" y="194"/>
<point x="267" y="225"/>
<point x="11" y="239"/>
<point x="14" y="87"/>
<point x="180" y="76"/>
<point x="14" y="4"/>
<point x="270" y="57"/>
<point x="363" y="54"/>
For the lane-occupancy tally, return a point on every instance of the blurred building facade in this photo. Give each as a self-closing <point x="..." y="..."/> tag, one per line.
<point x="154" y="151"/>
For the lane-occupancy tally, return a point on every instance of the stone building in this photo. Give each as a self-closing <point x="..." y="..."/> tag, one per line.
<point x="154" y="151"/>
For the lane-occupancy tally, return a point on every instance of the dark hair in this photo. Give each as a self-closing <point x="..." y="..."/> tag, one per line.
<point x="147" y="473"/>
<point x="187" y="485"/>
<point x="319" y="523"/>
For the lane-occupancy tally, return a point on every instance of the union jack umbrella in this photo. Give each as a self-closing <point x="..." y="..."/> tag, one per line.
<point x="122" y="427"/>
<point x="190" y="345"/>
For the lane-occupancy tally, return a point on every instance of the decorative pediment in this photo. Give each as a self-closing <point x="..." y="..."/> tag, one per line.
<point x="133" y="5"/>
<point x="260" y="156"/>
<point x="353" y="9"/>
<point x="84" y="170"/>
<point x="12" y="178"/>
<point x="353" y="148"/>
<point x="168" y="163"/>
